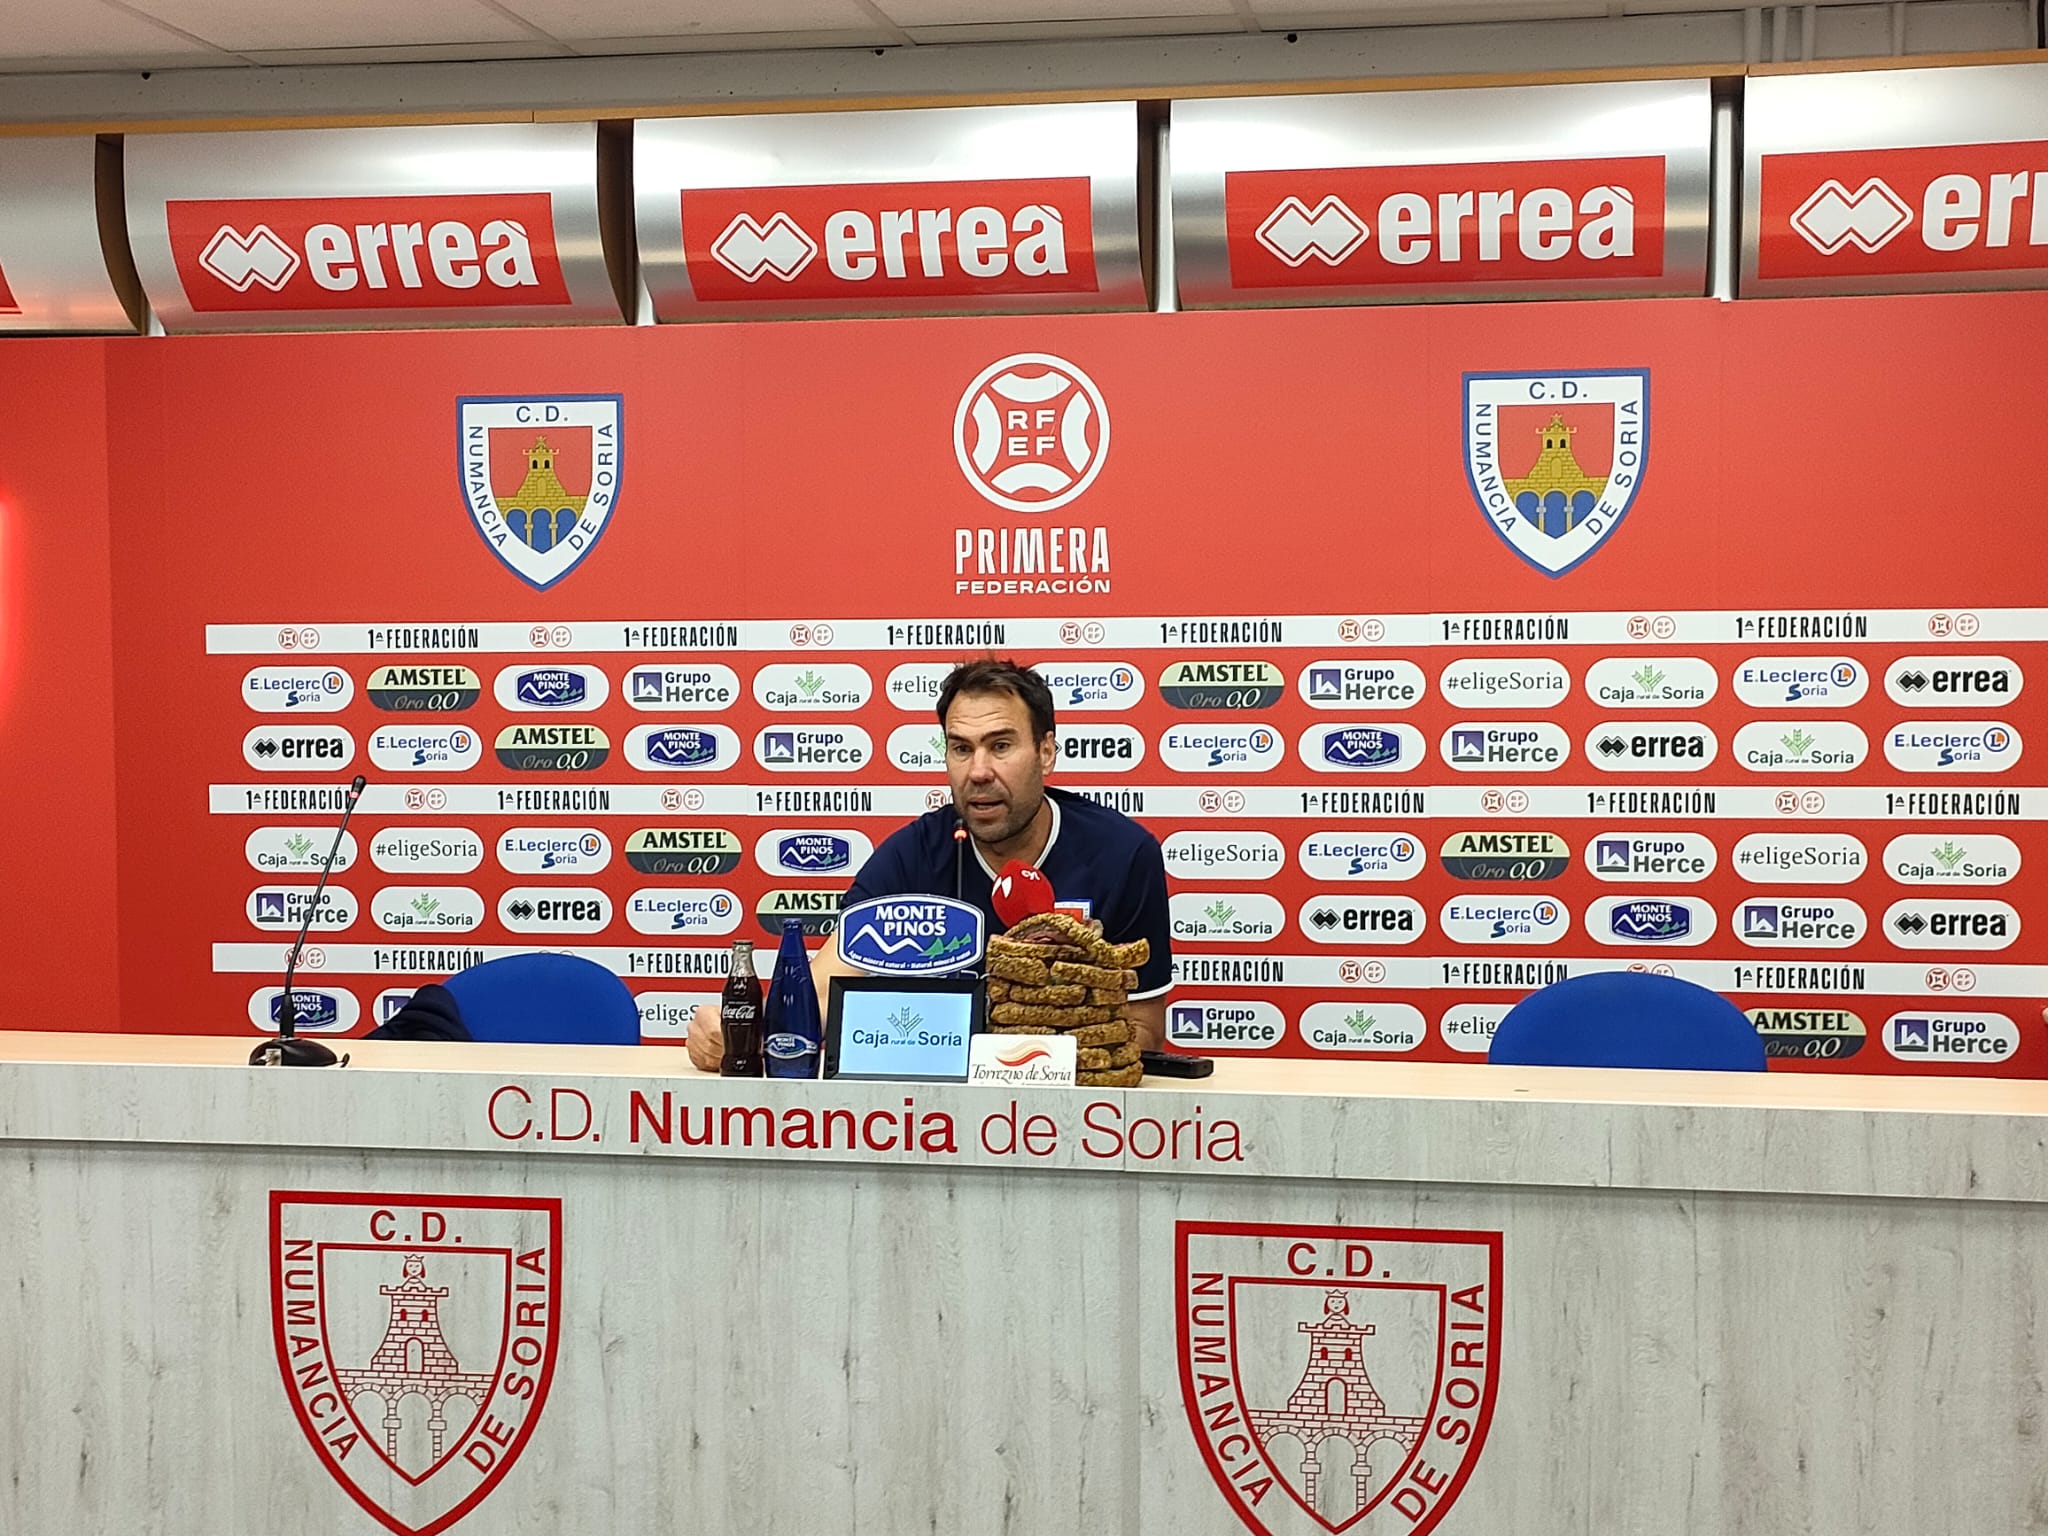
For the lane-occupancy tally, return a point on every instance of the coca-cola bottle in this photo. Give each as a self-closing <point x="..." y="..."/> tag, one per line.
<point x="739" y="1014"/>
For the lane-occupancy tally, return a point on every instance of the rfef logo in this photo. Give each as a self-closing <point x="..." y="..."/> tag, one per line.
<point x="1885" y="212"/>
<point x="890" y="240"/>
<point x="1533" y="221"/>
<point x="1031" y="432"/>
<point x="1555" y="460"/>
<point x="540" y="476"/>
<point x="1390" y="1338"/>
<point x="416" y="1338"/>
<point x="467" y="251"/>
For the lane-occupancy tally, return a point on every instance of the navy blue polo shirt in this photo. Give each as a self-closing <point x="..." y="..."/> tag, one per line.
<point x="1094" y="855"/>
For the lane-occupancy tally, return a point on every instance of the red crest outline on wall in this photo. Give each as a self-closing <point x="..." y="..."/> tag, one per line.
<point x="1400" y="1366"/>
<point x="365" y="1291"/>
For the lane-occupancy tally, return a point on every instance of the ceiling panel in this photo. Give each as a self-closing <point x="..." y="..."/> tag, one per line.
<point x="736" y="42"/>
<point x="411" y="53"/>
<point x="252" y="26"/>
<point x="1292" y="15"/>
<point x="578" y="19"/>
<point x="947" y="13"/>
<point x="1054" y="31"/>
<point x="89" y="30"/>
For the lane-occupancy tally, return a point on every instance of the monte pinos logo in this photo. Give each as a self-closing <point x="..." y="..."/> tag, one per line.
<point x="1337" y="1379"/>
<point x="540" y="476"/>
<point x="416" y="1337"/>
<point x="1555" y="459"/>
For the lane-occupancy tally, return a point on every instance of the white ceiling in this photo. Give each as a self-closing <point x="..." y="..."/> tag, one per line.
<point x="106" y="35"/>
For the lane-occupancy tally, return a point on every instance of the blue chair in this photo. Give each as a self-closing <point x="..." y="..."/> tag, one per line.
<point x="1628" y="1019"/>
<point x="545" y="1000"/>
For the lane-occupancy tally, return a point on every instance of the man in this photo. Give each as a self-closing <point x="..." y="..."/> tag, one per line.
<point x="1000" y="744"/>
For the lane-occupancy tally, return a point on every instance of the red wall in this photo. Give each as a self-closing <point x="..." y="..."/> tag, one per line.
<point x="1829" y="455"/>
<point x="57" y="964"/>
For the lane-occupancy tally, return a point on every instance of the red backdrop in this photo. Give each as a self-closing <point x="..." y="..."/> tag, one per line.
<point x="1867" y="458"/>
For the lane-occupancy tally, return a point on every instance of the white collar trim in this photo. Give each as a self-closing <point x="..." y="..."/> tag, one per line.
<point x="1051" y="838"/>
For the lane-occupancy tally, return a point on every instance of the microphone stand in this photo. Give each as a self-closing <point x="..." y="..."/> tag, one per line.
<point x="288" y="1050"/>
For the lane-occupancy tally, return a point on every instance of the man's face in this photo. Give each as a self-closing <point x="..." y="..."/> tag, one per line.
<point x="997" y="771"/>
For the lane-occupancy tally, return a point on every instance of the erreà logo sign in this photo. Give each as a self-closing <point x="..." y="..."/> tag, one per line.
<point x="540" y="476"/>
<point x="466" y="251"/>
<point x="1555" y="460"/>
<point x="1406" y="225"/>
<point x="373" y="1295"/>
<point x="1883" y="212"/>
<point x="1385" y="1333"/>
<point x="911" y="935"/>
<point x="933" y="239"/>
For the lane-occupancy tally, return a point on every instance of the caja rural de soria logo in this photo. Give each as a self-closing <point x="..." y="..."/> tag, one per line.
<point x="1555" y="459"/>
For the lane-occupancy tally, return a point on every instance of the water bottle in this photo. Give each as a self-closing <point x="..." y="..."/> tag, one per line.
<point x="794" y="1025"/>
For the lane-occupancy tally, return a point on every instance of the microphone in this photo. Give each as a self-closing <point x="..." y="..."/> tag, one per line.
<point x="1020" y="891"/>
<point x="959" y="853"/>
<point x="288" y="1050"/>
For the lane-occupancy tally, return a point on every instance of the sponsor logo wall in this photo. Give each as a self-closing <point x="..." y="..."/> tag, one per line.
<point x="1517" y="677"/>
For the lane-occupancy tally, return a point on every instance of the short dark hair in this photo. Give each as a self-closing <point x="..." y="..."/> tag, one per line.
<point x="992" y="674"/>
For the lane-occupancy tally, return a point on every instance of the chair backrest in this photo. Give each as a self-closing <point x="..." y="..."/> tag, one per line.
<point x="545" y="1000"/>
<point x="1628" y="1019"/>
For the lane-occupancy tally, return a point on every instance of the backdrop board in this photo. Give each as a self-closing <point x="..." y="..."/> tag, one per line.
<point x="1561" y="637"/>
<point x="343" y="228"/>
<point x="53" y="273"/>
<point x="1895" y="181"/>
<point x="1560" y="191"/>
<point x="961" y="209"/>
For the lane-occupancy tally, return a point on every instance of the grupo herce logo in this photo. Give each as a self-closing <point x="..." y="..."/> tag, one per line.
<point x="1555" y="459"/>
<point x="1031" y="432"/>
<point x="540" y="476"/>
<point x="416" y="1339"/>
<point x="1385" y="1340"/>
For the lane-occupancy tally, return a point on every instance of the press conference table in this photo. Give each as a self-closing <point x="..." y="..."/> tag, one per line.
<point x="534" y="1289"/>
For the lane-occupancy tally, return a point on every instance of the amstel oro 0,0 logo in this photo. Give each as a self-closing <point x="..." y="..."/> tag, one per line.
<point x="683" y="851"/>
<point x="415" y="690"/>
<point x="1391" y="1339"/>
<point x="553" y="748"/>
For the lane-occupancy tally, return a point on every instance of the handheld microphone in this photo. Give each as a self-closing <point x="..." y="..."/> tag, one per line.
<point x="1020" y="891"/>
<point x="288" y="1050"/>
